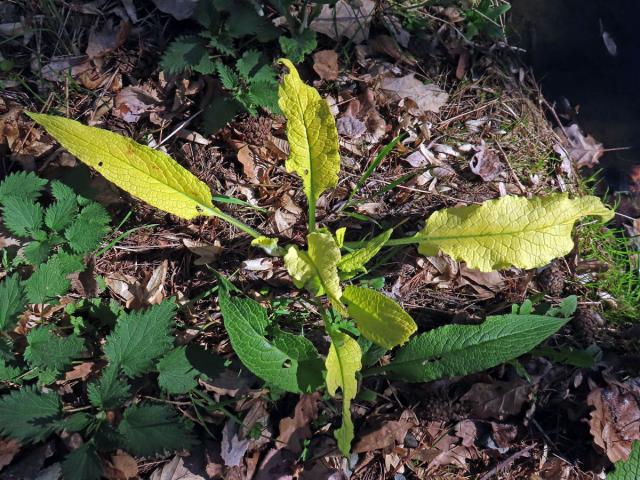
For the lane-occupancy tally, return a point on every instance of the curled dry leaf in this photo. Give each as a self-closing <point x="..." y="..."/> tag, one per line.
<point x="427" y="97"/>
<point x="325" y="64"/>
<point x="233" y="447"/>
<point x="57" y="69"/>
<point x="386" y="45"/>
<point x="294" y="430"/>
<point x="387" y="434"/>
<point x="134" y="102"/>
<point x="125" y="465"/>
<point x="485" y="163"/>
<point x="107" y="39"/>
<point x="205" y="252"/>
<point x="134" y="293"/>
<point x="615" y="420"/>
<point x="176" y="469"/>
<point x="584" y="151"/>
<point x="350" y="127"/>
<point x="345" y="19"/>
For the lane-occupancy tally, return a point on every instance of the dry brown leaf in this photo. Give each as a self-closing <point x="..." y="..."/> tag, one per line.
<point x="175" y="470"/>
<point x="57" y="69"/>
<point x="350" y="127"/>
<point x="247" y="159"/>
<point x="178" y="9"/>
<point x="387" y="434"/>
<point x="133" y="102"/>
<point x="585" y="151"/>
<point x="615" y="420"/>
<point x="387" y="46"/>
<point x="155" y="285"/>
<point x="345" y="19"/>
<point x="486" y="163"/>
<point x="134" y="293"/>
<point x="503" y="434"/>
<point x="428" y="97"/>
<point x="294" y="430"/>
<point x="80" y="371"/>
<point x="9" y="448"/>
<point x="467" y="431"/>
<point x="107" y="39"/>
<point x="485" y="284"/>
<point x="233" y="448"/>
<point x="325" y="64"/>
<point x="497" y="400"/>
<point x="205" y="252"/>
<point x="125" y="465"/>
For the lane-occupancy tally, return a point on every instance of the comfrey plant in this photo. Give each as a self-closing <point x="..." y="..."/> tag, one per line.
<point x="510" y="231"/>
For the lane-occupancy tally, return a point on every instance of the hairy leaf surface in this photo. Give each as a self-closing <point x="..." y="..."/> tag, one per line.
<point x="151" y="175"/>
<point x="343" y="362"/>
<point x="462" y="349"/>
<point x="29" y="415"/>
<point x="508" y="231"/>
<point x="312" y="134"/>
<point x="379" y="318"/>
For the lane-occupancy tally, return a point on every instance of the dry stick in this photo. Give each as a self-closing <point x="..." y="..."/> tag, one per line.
<point x="513" y="173"/>
<point x="505" y="463"/>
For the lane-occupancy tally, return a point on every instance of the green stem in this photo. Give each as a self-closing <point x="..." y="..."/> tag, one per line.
<point x="312" y="217"/>
<point x="390" y="243"/>
<point x="216" y="212"/>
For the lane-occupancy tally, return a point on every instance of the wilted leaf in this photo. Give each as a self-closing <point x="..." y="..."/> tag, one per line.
<point x="133" y="102"/>
<point x="584" y="151"/>
<point x="428" y="97"/>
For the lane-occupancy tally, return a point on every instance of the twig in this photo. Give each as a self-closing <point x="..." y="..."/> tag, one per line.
<point x="505" y="463"/>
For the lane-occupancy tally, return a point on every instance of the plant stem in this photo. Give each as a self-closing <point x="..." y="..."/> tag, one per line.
<point x="216" y="212"/>
<point x="312" y="217"/>
<point x="390" y="243"/>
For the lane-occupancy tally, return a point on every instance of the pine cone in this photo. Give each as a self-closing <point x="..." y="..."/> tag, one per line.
<point x="254" y="130"/>
<point x="551" y="279"/>
<point x="586" y="325"/>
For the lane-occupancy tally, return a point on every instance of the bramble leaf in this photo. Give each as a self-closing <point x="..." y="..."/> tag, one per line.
<point x="312" y="134"/>
<point x="29" y="415"/>
<point x="629" y="469"/>
<point x="379" y="318"/>
<point x="12" y="302"/>
<point x="246" y="323"/>
<point x="50" y="352"/>
<point x="509" y="231"/>
<point x="316" y="269"/>
<point x="356" y="260"/>
<point x="150" y="430"/>
<point x="176" y="375"/>
<point x="140" y="338"/>
<point x="343" y="362"/>
<point x="150" y="175"/>
<point x="83" y="463"/>
<point x="462" y="349"/>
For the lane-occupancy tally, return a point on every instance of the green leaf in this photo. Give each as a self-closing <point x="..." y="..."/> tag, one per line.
<point x="60" y="215"/>
<point x="140" y="338"/>
<point x="12" y="302"/>
<point x="629" y="469"/>
<point x="343" y="362"/>
<point x="268" y="244"/>
<point x="109" y="391"/>
<point x="247" y="63"/>
<point x="378" y="318"/>
<point x="25" y="185"/>
<point x="82" y="464"/>
<point x="229" y="79"/>
<point x="77" y="422"/>
<point x="204" y="361"/>
<point x="264" y="94"/>
<point x="37" y="252"/>
<point x="310" y="366"/>
<point x="219" y="112"/>
<point x="150" y="430"/>
<point x="509" y="231"/>
<point x="88" y="230"/>
<point x="22" y="216"/>
<point x="356" y="260"/>
<point x="316" y="269"/>
<point x="29" y="415"/>
<point x="176" y="373"/>
<point x="187" y="53"/>
<point x="313" y="138"/>
<point x="150" y="175"/>
<point x="50" y="281"/>
<point x="48" y="351"/>
<point x="9" y="373"/>
<point x="246" y="323"/>
<point x="299" y="46"/>
<point x="455" y="350"/>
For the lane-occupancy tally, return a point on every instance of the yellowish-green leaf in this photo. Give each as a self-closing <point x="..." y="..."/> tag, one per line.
<point x="151" y="175"/>
<point x="268" y="244"/>
<point x="312" y="134"/>
<point x="316" y="269"/>
<point x="356" y="260"/>
<point x="340" y="233"/>
<point x="343" y="362"/>
<point x="510" y="231"/>
<point x="379" y="318"/>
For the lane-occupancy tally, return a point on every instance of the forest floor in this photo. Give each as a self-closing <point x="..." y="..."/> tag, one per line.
<point x="478" y="129"/>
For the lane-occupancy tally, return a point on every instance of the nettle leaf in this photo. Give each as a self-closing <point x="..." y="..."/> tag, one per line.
<point x="140" y="338"/>
<point x="151" y="175"/>
<point x="109" y="391"/>
<point x="12" y="302"/>
<point x="228" y="77"/>
<point x="88" y="229"/>
<point x="246" y="323"/>
<point x="313" y="137"/>
<point x="343" y="362"/>
<point x="150" y="430"/>
<point x="22" y="216"/>
<point x="356" y="260"/>
<point x="187" y="53"/>
<point x="46" y="350"/>
<point x="60" y="215"/>
<point x="378" y="318"/>
<point x="37" y="252"/>
<point x="510" y="231"/>
<point x="29" y="415"/>
<point x="50" y="281"/>
<point x="629" y="469"/>
<point x="299" y="46"/>
<point x="264" y="95"/>
<point x="83" y="463"/>
<point x="9" y="373"/>
<point x="25" y="185"/>
<point x="247" y="63"/>
<point x="316" y="269"/>
<point x="176" y="374"/>
<point x="454" y="350"/>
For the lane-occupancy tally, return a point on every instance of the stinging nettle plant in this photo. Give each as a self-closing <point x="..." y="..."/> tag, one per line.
<point x="362" y="323"/>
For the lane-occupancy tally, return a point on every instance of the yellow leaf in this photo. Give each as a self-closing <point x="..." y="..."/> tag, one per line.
<point x="343" y="362"/>
<point x="268" y="244"/>
<point x="508" y="231"/>
<point x="150" y="175"/>
<point x="356" y="260"/>
<point x="312" y="134"/>
<point x="379" y="318"/>
<point x="316" y="269"/>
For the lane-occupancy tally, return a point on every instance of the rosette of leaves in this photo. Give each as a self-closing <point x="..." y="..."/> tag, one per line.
<point x="362" y="323"/>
